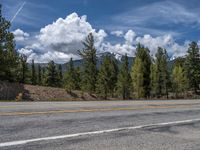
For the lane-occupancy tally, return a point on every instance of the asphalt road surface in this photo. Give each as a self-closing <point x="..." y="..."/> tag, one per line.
<point x="114" y="125"/>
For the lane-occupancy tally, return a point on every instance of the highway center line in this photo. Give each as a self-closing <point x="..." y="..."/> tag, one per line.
<point x="23" y="142"/>
<point x="95" y="110"/>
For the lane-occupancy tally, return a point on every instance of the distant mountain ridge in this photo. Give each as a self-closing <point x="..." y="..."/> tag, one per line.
<point x="80" y="62"/>
<point x="101" y="56"/>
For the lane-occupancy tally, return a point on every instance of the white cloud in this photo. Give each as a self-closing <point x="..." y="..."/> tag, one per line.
<point x="119" y="49"/>
<point x="117" y="33"/>
<point x="131" y="41"/>
<point x="72" y="28"/>
<point x="58" y="57"/>
<point x="99" y="37"/>
<point x="25" y="51"/>
<point x="60" y="40"/>
<point x="167" y="41"/>
<point x="66" y="35"/>
<point x="20" y="35"/>
<point x="179" y="50"/>
<point x="129" y="37"/>
<point x="153" y="43"/>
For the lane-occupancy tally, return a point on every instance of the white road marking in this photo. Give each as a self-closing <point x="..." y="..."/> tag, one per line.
<point x="22" y="142"/>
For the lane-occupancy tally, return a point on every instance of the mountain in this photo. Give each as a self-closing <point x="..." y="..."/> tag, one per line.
<point x="80" y="62"/>
<point x="101" y="56"/>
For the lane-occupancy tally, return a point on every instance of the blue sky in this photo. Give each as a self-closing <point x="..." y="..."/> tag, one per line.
<point x="179" y="19"/>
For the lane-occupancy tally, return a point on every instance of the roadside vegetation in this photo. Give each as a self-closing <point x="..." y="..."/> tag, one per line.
<point x="149" y="77"/>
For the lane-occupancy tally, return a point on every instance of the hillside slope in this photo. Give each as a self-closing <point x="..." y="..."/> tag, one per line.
<point x="41" y="93"/>
<point x="10" y="91"/>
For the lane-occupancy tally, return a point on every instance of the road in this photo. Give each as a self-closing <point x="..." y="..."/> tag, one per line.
<point x="105" y="125"/>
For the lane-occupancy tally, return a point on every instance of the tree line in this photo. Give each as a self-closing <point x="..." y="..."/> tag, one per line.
<point x="149" y="77"/>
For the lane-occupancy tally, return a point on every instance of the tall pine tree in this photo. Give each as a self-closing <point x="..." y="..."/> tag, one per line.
<point x="69" y="77"/>
<point x="51" y="75"/>
<point x="137" y="75"/>
<point x="124" y="79"/>
<point x="8" y="55"/>
<point x="43" y="82"/>
<point x="141" y="72"/>
<point x="153" y="79"/>
<point x="193" y="65"/>
<point x="160" y="74"/>
<point x="33" y="74"/>
<point x="89" y="68"/>
<point x="78" y="78"/>
<point x="113" y="68"/>
<point x="71" y="82"/>
<point x="105" y="77"/>
<point x="23" y="69"/>
<point x="60" y="75"/>
<point x="39" y="75"/>
<point x="179" y="80"/>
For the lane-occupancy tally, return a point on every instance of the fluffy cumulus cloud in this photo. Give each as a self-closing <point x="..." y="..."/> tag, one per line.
<point x="117" y="33"/>
<point x="25" y="51"/>
<point x="129" y="37"/>
<point x="60" y="40"/>
<point x="131" y="40"/>
<point x="20" y="35"/>
<point x="68" y="31"/>
<point x="179" y="50"/>
<point x="166" y="41"/>
<point x="119" y="49"/>
<point x="153" y="43"/>
<point x="128" y="47"/>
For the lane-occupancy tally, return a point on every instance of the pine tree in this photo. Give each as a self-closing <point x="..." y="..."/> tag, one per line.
<point x="33" y="74"/>
<point x="104" y="78"/>
<point x="137" y="75"/>
<point x="51" y="78"/>
<point x="113" y="69"/>
<point x="124" y="80"/>
<point x="141" y="69"/>
<point x="89" y="67"/>
<point x="161" y="74"/>
<point x="70" y="77"/>
<point x="8" y="56"/>
<point x="60" y="72"/>
<point x="179" y="80"/>
<point x="43" y="81"/>
<point x="193" y="65"/>
<point x="143" y="54"/>
<point x="11" y="58"/>
<point x="23" y="69"/>
<point x="77" y="78"/>
<point x="60" y="75"/>
<point x="39" y="75"/>
<point x="166" y="74"/>
<point x="4" y="27"/>
<point x="153" y="79"/>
